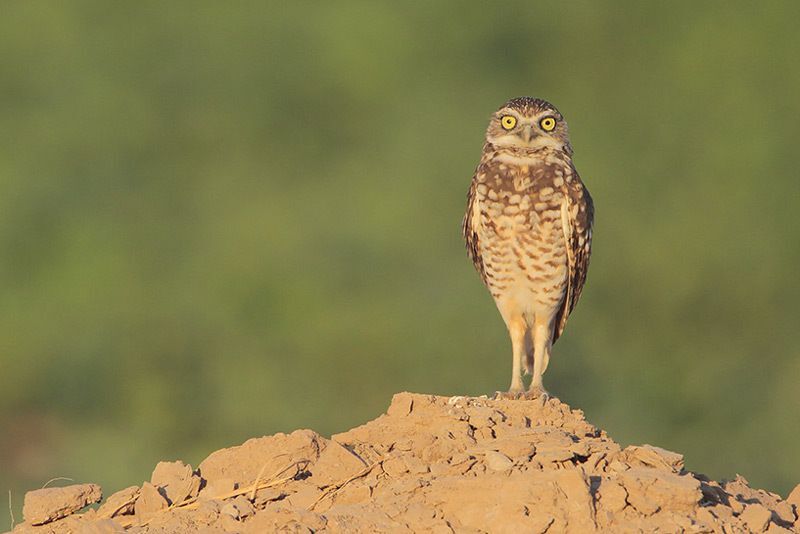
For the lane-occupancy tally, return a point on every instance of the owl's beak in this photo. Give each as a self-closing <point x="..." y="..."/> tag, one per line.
<point x="527" y="133"/>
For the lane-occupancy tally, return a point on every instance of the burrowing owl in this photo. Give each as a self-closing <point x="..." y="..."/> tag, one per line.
<point x="528" y="229"/>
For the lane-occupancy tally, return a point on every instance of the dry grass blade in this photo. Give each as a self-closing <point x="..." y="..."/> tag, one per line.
<point x="10" y="510"/>
<point x="56" y="479"/>
<point x="333" y="489"/>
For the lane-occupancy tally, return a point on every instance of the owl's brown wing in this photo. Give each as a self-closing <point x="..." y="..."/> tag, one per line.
<point x="577" y="217"/>
<point x="470" y="231"/>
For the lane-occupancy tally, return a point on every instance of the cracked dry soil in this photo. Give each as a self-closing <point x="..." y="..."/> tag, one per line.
<point x="430" y="464"/>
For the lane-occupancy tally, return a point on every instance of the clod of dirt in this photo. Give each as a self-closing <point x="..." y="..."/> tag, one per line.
<point x="48" y="504"/>
<point x="497" y="461"/>
<point x="176" y="481"/>
<point x="649" y="456"/>
<point x="441" y="464"/>
<point x="794" y="497"/>
<point x="120" y="503"/>
<point x="756" y="517"/>
<point x="150" y="501"/>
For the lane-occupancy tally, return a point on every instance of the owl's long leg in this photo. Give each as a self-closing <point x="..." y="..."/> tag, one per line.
<point x="542" y="343"/>
<point x="527" y="360"/>
<point x="517" y="329"/>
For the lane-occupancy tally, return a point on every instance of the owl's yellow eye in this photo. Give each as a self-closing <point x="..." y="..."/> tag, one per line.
<point x="547" y="124"/>
<point x="508" y="122"/>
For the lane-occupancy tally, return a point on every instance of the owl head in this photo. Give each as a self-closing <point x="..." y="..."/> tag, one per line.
<point x="528" y="124"/>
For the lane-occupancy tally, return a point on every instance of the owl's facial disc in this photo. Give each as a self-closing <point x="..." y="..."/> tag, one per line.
<point x="509" y="128"/>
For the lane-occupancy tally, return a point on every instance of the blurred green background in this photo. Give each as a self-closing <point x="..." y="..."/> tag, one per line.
<point x="224" y="220"/>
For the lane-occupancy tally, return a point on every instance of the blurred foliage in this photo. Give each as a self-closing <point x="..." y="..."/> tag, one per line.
<point x="224" y="220"/>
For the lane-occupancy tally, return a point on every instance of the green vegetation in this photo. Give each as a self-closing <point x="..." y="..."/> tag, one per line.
<point x="220" y="220"/>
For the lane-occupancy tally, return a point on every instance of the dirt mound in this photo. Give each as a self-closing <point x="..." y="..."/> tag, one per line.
<point x="430" y="464"/>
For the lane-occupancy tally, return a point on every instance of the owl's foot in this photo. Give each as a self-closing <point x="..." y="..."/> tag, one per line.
<point x="537" y="392"/>
<point x="512" y="394"/>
